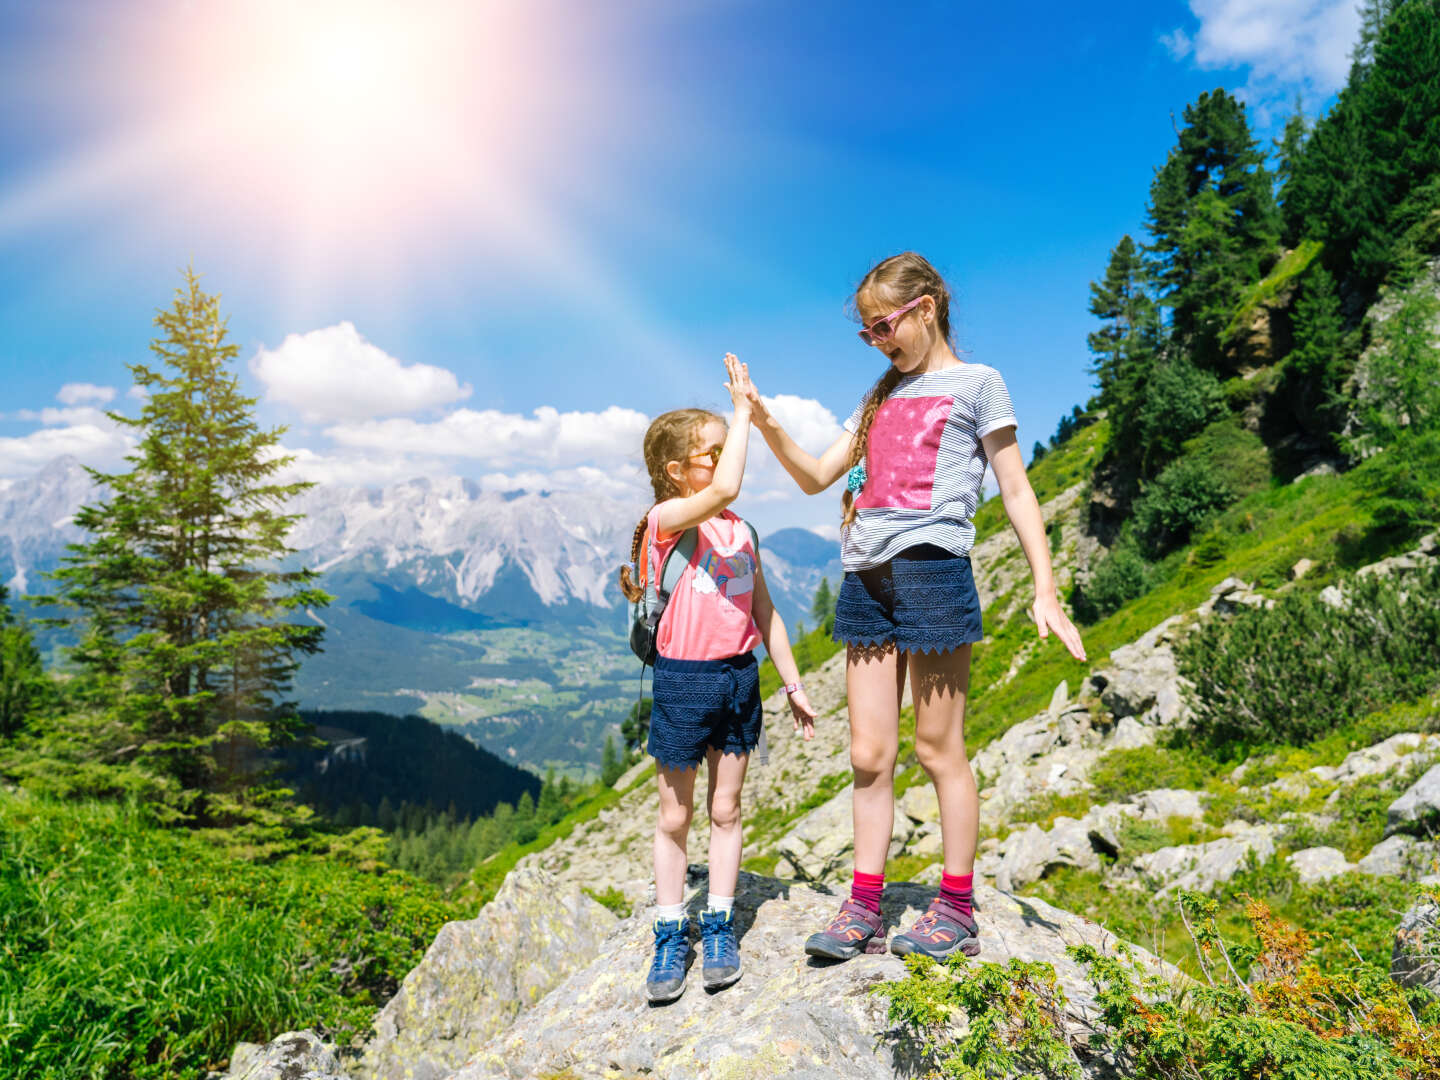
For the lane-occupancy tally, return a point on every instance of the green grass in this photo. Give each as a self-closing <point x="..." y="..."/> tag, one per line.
<point x="810" y="651"/>
<point x="1327" y="519"/>
<point x="1291" y="265"/>
<point x="1061" y="468"/>
<point x="135" y="951"/>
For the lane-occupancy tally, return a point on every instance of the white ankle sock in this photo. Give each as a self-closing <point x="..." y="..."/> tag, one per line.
<point x="719" y="903"/>
<point x="669" y="912"/>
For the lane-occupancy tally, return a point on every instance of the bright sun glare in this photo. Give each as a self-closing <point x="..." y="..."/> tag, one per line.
<point x="329" y="124"/>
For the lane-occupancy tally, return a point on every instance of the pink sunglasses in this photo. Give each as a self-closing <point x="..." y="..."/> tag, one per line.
<point x="882" y="330"/>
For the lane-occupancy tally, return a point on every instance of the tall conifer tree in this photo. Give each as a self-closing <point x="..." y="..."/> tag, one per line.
<point x="184" y="608"/>
<point x="24" y="687"/>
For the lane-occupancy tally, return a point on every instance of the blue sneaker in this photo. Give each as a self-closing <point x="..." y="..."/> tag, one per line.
<point x="666" y="980"/>
<point x="722" y="951"/>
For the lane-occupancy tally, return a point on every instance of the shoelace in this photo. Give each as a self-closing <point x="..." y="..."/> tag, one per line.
<point x="926" y="922"/>
<point x="669" y="953"/>
<point x="720" y="946"/>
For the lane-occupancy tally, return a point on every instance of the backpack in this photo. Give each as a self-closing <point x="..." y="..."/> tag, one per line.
<point x="650" y="608"/>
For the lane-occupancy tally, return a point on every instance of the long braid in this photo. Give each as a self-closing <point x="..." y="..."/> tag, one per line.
<point x="898" y="280"/>
<point x="878" y="393"/>
<point x="670" y="437"/>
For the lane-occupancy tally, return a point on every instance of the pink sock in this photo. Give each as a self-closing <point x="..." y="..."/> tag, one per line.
<point x="957" y="890"/>
<point x="866" y="889"/>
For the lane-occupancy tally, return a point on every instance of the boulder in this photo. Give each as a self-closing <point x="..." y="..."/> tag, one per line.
<point x="1143" y="680"/>
<point x="478" y="975"/>
<point x="1415" y="959"/>
<point x="1201" y="867"/>
<point x="1383" y="757"/>
<point x="1034" y="852"/>
<point x="920" y="804"/>
<point x="788" y="1015"/>
<point x="819" y="847"/>
<point x="1319" y="864"/>
<point x="1399" y="856"/>
<point x="1161" y="804"/>
<point x="1419" y="806"/>
<point x="1301" y="568"/>
<point x="296" y="1055"/>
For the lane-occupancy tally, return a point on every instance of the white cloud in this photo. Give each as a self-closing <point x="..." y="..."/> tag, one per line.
<point x="827" y="532"/>
<point x="1288" y="45"/>
<point x="505" y="440"/>
<point x="1178" y="42"/>
<point x="138" y="393"/>
<point x="82" y="393"/>
<point x="53" y="417"/>
<point x="97" y="447"/>
<point x="335" y="374"/>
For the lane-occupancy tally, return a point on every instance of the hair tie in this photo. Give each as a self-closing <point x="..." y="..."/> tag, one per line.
<point x="855" y="479"/>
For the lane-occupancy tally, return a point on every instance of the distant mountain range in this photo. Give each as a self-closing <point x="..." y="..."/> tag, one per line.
<point x="446" y="593"/>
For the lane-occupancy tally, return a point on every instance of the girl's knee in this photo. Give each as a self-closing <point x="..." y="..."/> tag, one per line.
<point x="942" y="757"/>
<point x="674" y="820"/>
<point x="725" y="811"/>
<point x="872" y="757"/>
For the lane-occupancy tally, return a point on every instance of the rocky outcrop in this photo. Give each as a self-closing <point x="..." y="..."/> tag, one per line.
<point x="1319" y="864"/>
<point x="296" y="1055"/>
<point x="1418" y="807"/>
<point x="788" y="1016"/>
<point x="1142" y="679"/>
<point x="1415" y="959"/>
<point x="479" y="975"/>
<point x="1200" y="867"/>
<point x="1400" y="856"/>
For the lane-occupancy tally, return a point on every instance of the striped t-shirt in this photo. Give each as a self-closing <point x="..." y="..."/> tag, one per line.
<point x="924" y="463"/>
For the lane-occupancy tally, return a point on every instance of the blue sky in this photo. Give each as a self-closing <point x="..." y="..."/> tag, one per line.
<point x="428" y="227"/>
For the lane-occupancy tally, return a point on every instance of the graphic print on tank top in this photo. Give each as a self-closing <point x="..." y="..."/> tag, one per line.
<point x="730" y="574"/>
<point x="903" y="448"/>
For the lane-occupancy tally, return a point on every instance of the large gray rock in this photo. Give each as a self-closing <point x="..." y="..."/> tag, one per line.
<point x="478" y="975"/>
<point x="1200" y="867"/>
<point x="1400" y="856"/>
<point x="820" y="846"/>
<point x="787" y="1016"/>
<point x="1143" y="679"/>
<point x="1419" y="806"/>
<point x="1415" y="959"/>
<point x="1397" y="752"/>
<point x="1161" y="804"/>
<point x="1319" y="864"/>
<point x="1033" y="852"/>
<point x="296" y="1055"/>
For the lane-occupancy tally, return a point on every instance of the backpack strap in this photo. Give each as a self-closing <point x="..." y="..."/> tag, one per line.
<point x="685" y="548"/>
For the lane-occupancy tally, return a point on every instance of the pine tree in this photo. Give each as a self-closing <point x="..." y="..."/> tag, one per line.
<point x="611" y="767"/>
<point x="822" y="608"/>
<point x="1120" y="300"/>
<point x="1213" y="223"/>
<point x="1289" y="146"/>
<point x="1314" y="372"/>
<point x="183" y="612"/>
<point x="24" y="687"/>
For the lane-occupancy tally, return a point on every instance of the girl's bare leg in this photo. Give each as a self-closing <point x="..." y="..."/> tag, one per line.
<point x="722" y="802"/>
<point x="940" y="683"/>
<point x="875" y="683"/>
<point x="672" y="829"/>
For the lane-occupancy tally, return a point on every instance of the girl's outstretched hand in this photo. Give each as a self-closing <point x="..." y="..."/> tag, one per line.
<point x="803" y="712"/>
<point x="1048" y="615"/>
<point x="739" y="382"/>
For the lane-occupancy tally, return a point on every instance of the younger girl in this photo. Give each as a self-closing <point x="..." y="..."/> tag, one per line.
<point x="914" y="452"/>
<point x="706" y="696"/>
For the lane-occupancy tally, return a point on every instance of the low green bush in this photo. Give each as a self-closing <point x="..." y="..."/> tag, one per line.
<point x="1122" y="773"/>
<point x="128" y="950"/>
<point x="1294" y="673"/>
<point x="1121" y="575"/>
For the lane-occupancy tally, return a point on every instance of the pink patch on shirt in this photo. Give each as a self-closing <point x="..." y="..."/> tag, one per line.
<point x="904" y="446"/>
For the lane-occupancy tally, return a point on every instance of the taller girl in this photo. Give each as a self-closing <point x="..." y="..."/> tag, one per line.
<point x="914" y="453"/>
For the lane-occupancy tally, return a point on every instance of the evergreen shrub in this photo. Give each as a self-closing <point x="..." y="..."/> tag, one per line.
<point x="1294" y="673"/>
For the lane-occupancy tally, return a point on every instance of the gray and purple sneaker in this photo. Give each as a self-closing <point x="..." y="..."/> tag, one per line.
<point x="854" y="930"/>
<point x="942" y="931"/>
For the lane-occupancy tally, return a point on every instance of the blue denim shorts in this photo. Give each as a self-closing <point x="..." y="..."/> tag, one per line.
<point x="704" y="703"/>
<point x="922" y="600"/>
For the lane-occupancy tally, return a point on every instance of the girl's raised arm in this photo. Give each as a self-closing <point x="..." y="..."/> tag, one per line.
<point x="680" y="513"/>
<point x="1024" y="512"/>
<point x="813" y="474"/>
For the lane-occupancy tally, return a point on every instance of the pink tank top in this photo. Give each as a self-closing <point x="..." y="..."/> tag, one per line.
<point x="709" y="613"/>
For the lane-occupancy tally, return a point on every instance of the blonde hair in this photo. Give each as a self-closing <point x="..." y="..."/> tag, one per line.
<point x="671" y="437"/>
<point x="899" y="279"/>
